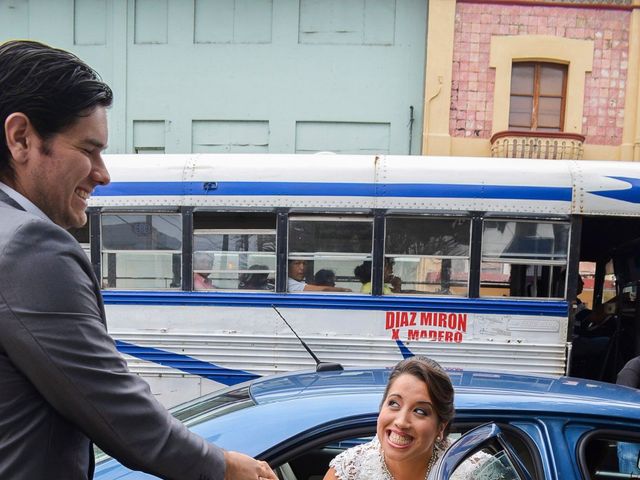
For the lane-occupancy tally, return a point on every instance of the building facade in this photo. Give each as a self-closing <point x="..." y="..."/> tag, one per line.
<point x="541" y="79"/>
<point x="246" y="75"/>
<point x="532" y="78"/>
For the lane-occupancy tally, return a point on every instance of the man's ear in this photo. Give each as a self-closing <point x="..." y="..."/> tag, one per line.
<point x="17" y="131"/>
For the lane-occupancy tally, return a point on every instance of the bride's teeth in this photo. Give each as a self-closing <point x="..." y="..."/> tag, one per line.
<point x="399" y="439"/>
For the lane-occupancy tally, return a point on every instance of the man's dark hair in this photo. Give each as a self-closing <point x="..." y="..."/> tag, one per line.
<point x="325" y="278"/>
<point x="363" y="272"/>
<point x="50" y="86"/>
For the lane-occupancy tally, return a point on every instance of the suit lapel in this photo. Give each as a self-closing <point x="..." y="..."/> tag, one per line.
<point x="9" y="201"/>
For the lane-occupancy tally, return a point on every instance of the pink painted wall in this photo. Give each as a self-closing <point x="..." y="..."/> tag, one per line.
<point x="473" y="79"/>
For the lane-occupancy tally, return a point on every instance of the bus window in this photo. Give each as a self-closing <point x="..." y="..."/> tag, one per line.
<point x="431" y="255"/>
<point x="338" y="244"/>
<point x="523" y="258"/>
<point x="141" y="251"/>
<point x="234" y="251"/>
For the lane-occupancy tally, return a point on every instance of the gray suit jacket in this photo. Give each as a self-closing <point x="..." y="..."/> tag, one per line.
<point x="63" y="384"/>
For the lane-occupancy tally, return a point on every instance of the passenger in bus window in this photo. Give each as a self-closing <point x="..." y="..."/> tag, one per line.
<point x="392" y="284"/>
<point x="63" y="383"/>
<point x="297" y="282"/>
<point x="201" y="281"/>
<point x="325" y="278"/>
<point x="255" y="280"/>
<point x="363" y="273"/>
<point x="202" y="265"/>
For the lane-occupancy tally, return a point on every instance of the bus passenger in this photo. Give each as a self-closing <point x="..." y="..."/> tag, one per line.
<point x="297" y="284"/>
<point x="325" y="277"/>
<point x="392" y="284"/>
<point x="255" y="280"/>
<point x="202" y="265"/>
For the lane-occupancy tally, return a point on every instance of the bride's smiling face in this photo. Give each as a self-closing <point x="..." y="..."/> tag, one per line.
<point x="407" y="423"/>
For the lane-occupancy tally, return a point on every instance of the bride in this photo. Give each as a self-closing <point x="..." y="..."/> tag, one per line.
<point x="412" y="428"/>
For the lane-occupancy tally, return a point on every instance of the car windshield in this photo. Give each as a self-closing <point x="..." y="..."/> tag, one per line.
<point x="216" y="405"/>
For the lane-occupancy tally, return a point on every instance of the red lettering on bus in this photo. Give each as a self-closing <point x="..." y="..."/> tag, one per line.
<point x="462" y="322"/>
<point x="426" y="318"/>
<point x="390" y="320"/>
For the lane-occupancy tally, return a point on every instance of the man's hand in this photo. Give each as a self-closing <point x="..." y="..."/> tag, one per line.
<point x="243" y="467"/>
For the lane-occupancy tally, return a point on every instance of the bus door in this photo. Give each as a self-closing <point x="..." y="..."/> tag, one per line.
<point x="608" y="335"/>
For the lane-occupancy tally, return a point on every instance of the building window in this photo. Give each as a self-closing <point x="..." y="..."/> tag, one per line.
<point x="538" y="94"/>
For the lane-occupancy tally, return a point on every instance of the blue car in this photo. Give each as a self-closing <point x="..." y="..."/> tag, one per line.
<point x="526" y="426"/>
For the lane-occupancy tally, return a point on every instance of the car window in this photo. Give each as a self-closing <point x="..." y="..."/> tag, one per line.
<point x="610" y="455"/>
<point x="490" y="451"/>
<point x="486" y="465"/>
<point x="308" y="457"/>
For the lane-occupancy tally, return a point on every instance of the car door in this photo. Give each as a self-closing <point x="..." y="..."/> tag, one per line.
<point x="483" y="453"/>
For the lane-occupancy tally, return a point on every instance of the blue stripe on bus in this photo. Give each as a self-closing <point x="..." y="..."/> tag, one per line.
<point x="631" y="194"/>
<point x="404" y="350"/>
<point x="498" y="306"/>
<point x="193" y="366"/>
<point x="185" y="363"/>
<point x="417" y="190"/>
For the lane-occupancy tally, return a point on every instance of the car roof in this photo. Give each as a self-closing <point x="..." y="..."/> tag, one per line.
<point x="265" y="414"/>
<point x="494" y="389"/>
<point x="290" y="404"/>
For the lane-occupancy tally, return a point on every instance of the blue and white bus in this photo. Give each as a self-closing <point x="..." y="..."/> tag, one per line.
<point x="472" y="261"/>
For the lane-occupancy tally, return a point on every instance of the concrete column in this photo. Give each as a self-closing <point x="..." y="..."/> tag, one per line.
<point x="436" y="139"/>
<point x="630" y="148"/>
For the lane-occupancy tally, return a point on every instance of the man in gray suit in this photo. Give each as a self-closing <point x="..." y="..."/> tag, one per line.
<point x="63" y="384"/>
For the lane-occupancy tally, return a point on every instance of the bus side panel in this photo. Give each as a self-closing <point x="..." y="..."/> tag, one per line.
<point x="212" y="346"/>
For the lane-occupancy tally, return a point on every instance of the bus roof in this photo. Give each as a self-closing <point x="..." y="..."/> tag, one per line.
<point x="364" y="182"/>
